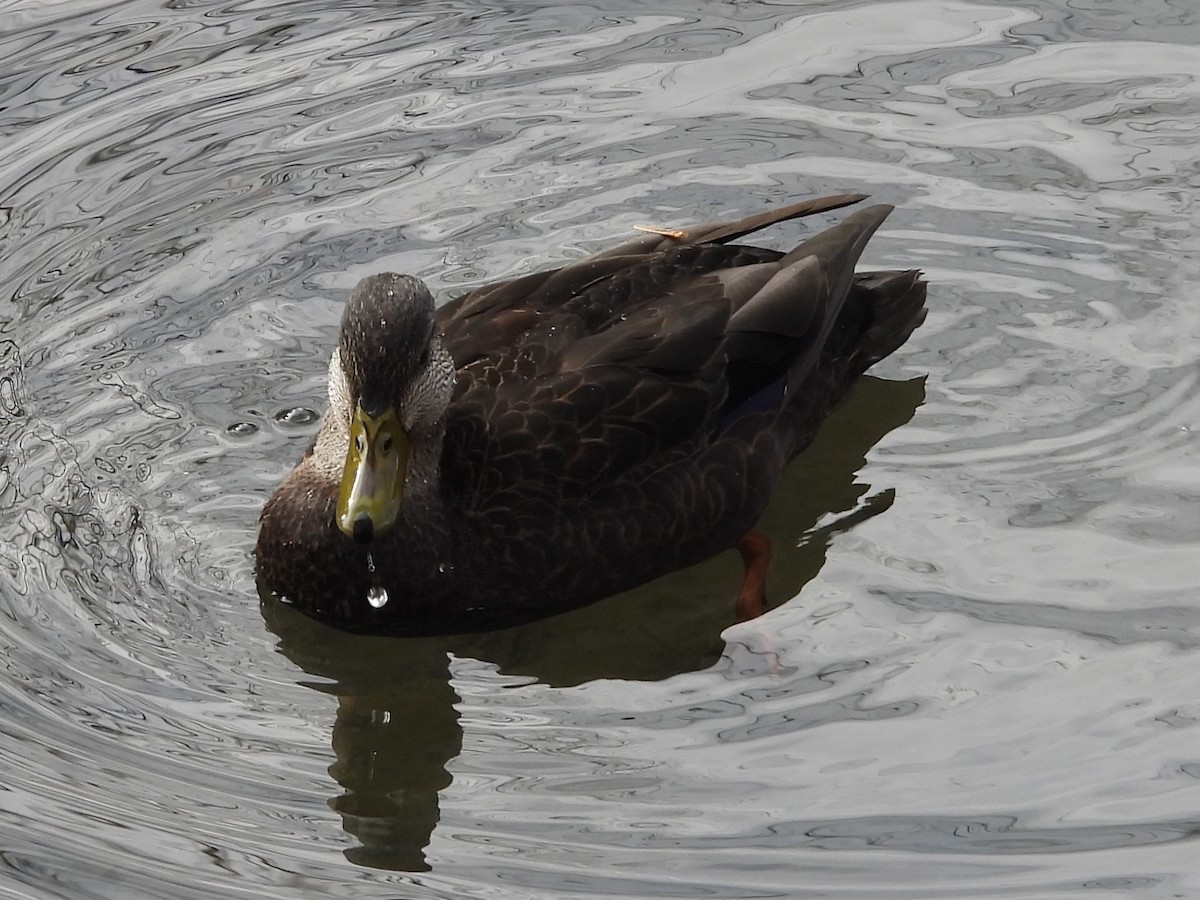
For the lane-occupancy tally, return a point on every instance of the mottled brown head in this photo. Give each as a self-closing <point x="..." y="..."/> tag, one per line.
<point x="397" y="381"/>
<point x="386" y="339"/>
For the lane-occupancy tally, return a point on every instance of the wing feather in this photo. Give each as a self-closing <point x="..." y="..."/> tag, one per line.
<point x="573" y="379"/>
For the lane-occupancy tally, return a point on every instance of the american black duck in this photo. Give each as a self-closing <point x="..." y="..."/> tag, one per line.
<point x="542" y="443"/>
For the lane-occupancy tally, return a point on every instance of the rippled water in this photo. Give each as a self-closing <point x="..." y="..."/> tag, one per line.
<point x="986" y="683"/>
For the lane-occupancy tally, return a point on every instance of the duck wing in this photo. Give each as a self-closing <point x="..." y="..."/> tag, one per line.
<point x="498" y="319"/>
<point x="612" y="368"/>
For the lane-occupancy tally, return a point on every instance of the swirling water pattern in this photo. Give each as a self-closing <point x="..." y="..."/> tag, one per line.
<point x="988" y="690"/>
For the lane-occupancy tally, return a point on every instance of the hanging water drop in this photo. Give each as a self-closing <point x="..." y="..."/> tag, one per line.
<point x="377" y="596"/>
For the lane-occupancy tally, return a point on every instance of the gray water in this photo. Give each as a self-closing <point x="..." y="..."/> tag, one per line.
<point x="985" y="681"/>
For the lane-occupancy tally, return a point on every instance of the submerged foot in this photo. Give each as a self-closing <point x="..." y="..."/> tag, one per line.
<point x="755" y="548"/>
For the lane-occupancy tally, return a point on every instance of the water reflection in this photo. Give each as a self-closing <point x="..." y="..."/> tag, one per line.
<point x="397" y="728"/>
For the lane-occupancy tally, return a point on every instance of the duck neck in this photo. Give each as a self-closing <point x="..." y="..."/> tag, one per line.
<point x="423" y="505"/>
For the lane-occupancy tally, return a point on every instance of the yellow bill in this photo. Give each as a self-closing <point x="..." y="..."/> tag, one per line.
<point x="373" y="477"/>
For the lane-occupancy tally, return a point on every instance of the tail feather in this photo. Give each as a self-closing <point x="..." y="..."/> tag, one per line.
<point x="801" y="336"/>
<point x="791" y="317"/>
<point x="723" y="232"/>
<point x="726" y="231"/>
<point x="897" y="304"/>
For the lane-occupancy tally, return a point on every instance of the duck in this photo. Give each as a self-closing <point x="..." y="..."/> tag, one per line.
<point x="544" y="442"/>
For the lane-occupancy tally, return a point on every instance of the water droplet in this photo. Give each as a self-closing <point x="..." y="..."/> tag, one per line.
<point x="442" y="568"/>
<point x="377" y="596"/>
<point x="370" y="562"/>
<point x="242" y="429"/>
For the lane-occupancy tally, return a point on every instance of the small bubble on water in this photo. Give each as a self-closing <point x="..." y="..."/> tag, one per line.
<point x="296" y="415"/>
<point x="242" y="429"/>
<point x="377" y="596"/>
<point x="8" y="397"/>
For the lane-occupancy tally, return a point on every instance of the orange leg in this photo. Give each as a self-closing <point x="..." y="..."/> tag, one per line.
<point x="755" y="548"/>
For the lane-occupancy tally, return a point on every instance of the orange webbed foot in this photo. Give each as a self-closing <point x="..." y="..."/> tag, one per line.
<point x="755" y="548"/>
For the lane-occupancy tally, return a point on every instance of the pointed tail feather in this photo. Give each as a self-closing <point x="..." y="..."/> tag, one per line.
<point x="723" y="232"/>
<point x="798" y="306"/>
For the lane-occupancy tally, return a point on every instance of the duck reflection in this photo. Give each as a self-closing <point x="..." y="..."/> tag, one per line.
<point x="397" y="727"/>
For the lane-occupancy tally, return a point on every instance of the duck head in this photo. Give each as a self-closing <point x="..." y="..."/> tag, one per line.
<point x="390" y="382"/>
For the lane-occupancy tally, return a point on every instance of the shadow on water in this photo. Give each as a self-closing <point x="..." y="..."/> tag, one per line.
<point x="397" y="727"/>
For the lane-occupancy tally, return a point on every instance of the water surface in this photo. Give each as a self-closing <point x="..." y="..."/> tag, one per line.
<point x="980" y="676"/>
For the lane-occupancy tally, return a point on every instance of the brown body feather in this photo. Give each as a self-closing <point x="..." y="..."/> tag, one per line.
<point x="612" y="420"/>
